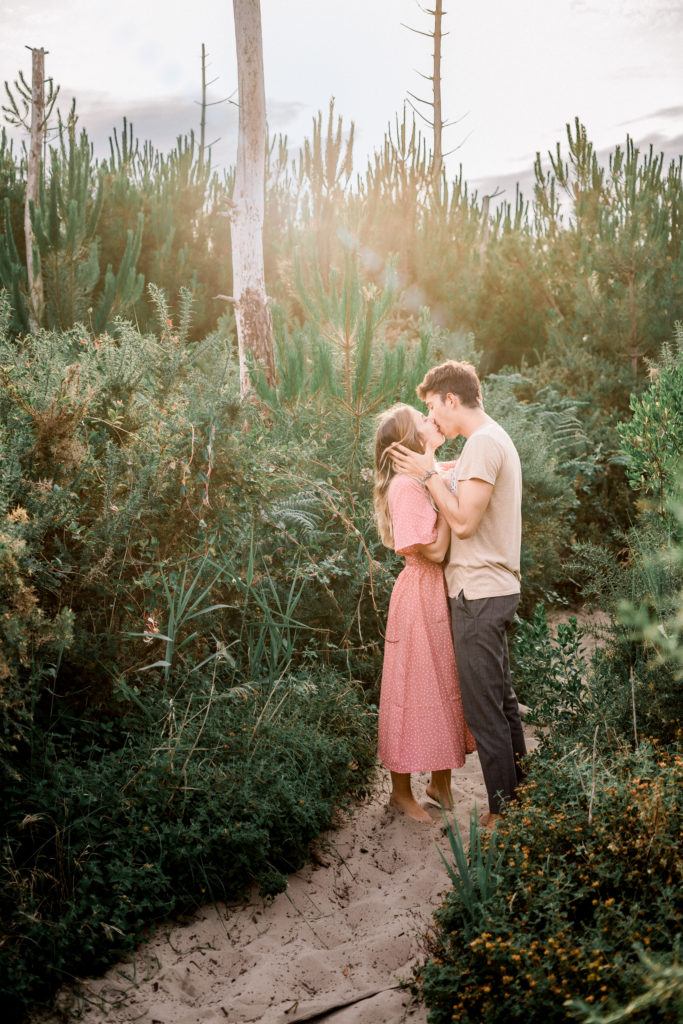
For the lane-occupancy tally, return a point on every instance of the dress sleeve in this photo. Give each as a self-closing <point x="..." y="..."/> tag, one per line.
<point x="413" y="517"/>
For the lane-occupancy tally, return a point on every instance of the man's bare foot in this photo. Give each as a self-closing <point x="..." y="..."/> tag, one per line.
<point x="490" y="820"/>
<point x="440" y="796"/>
<point x="411" y="809"/>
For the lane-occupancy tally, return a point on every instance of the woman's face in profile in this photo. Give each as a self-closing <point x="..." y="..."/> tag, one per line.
<point x="428" y="431"/>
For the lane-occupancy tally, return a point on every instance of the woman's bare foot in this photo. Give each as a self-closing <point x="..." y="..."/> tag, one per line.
<point x="439" y="788"/>
<point x="443" y="797"/>
<point x="490" y="820"/>
<point x="411" y="808"/>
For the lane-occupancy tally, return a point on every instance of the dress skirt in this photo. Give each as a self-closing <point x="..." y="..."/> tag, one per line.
<point x="421" y="720"/>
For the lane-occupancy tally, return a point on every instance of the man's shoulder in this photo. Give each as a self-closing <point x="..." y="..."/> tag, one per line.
<point x="487" y="452"/>
<point x="493" y="429"/>
<point x="492" y="435"/>
<point x="489" y="435"/>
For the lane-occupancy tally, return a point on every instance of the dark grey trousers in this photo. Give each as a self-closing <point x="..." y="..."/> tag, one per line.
<point x="490" y="705"/>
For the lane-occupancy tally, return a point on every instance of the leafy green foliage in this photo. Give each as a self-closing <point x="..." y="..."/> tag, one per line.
<point x="550" y="672"/>
<point x="474" y="873"/>
<point x="556" y="457"/>
<point x="623" y="229"/>
<point x="644" y="587"/>
<point x="338" y="364"/>
<point x="659" y="625"/>
<point x="663" y="981"/>
<point x="591" y="876"/>
<point x="177" y="712"/>
<point x="652" y="440"/>
<point x="183" y="800"/>
<point x="577" y="286"/>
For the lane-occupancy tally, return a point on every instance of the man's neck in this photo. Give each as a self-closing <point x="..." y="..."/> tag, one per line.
<point x="472" y="420"/>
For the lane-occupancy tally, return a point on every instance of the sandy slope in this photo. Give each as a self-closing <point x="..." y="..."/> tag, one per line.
<point x="348" y="925"/>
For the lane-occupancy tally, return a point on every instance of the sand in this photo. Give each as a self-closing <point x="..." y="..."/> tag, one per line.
<point x="351" y="925"/>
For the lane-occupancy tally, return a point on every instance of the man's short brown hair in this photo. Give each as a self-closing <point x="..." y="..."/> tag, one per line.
<point x="452" y="378"/>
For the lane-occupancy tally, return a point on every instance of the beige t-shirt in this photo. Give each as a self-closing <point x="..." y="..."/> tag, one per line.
<point x="487" y="563"/>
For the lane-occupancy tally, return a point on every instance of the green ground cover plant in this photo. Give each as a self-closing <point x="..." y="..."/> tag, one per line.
<point x="591" y="874"/>
<point x="546" y="665"/>
<point x="191" y="798"/>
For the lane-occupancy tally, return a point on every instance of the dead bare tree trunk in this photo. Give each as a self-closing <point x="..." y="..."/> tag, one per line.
<point x="252" y="313"/>
<point x="437" y="124"/>
<point x="204" y="146"/>
<point x="436" y="79"/>
<point x="35" y="154"/>
<point x="202" y="123"/>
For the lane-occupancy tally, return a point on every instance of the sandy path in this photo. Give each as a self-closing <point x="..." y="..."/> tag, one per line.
<point x="345" y="927"/>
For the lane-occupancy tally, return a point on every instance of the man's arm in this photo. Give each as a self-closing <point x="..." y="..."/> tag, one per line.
<point x="463" y="511"/>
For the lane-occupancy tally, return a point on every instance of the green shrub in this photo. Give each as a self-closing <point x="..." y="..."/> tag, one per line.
<point x="186" y="800"/>
<point x="550" y="672"/>
<point x="662" y="984"/>
<point x="652" y="440"/>
<point x="591" y="875"/>
<point x="626" y="689"/>
<point x="130" y="466"/>
<point x="156" y="541"/>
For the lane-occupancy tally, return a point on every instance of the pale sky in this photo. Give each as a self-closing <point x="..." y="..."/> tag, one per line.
<point x="514" y="71"/>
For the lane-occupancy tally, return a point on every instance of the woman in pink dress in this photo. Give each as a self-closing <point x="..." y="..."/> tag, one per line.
<point x="421" y="722"/>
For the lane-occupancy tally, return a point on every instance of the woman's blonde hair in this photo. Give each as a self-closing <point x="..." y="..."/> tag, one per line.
<point x="396" y="426"/>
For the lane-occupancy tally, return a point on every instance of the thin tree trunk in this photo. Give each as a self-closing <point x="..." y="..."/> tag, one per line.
<point x="35" y="278"/>
<point x="202" y="123"/>
<point x="252" y="313"/>
<point x="438" y="124"/>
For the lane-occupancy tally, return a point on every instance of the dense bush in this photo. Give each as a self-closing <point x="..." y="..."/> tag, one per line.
<point x="652" y="440"/>
<point x="184" y="618"/>
<point x="555" y="456"/>
<point x="181" y="800"/>
<point x="577" y="293"/>
<point x="624" y="689"/>
<point x="591" y="873"/>
<point x="549" y="671"/>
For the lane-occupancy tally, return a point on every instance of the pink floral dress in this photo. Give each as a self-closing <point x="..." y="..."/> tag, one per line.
<point x="421" y="721"/>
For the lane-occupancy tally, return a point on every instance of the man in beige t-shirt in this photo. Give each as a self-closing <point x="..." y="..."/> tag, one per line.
<point x="486" y="563"/>
<point x="482" y="574"/>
